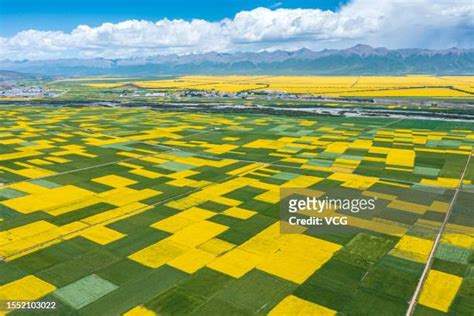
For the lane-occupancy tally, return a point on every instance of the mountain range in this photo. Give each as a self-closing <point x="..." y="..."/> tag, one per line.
<point x="357" y="60"/>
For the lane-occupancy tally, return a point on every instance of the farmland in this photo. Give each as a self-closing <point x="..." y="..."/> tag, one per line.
<point x="333" y="86"/>
<point x="134" y="211"/>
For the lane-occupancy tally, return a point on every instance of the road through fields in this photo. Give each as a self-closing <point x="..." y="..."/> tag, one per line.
<point x="429" y="263"/>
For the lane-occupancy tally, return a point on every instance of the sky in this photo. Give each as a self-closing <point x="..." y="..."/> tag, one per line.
<point x="48" y="29"/>
<point x="65" y="15"/>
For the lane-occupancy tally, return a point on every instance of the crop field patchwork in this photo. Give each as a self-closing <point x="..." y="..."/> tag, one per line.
<point x="134" y="211"/>
<point x="332" y="86"/>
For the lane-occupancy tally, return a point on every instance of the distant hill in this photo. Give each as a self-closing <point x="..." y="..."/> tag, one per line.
<point x="15" y="75"/>
<point x="357" y="60"/>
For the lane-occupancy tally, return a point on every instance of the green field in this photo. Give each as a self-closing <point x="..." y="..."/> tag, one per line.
<point x="111" y="211"/>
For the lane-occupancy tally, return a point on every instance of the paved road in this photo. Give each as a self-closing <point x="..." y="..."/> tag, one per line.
<point x="429" y="263"/>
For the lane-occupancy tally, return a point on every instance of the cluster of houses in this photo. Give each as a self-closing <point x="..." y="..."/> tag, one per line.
<point x="211" y="94"/>
<point x="12" y="90"/>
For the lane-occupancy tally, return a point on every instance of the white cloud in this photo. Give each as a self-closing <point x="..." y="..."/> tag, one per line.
<point x="391" y="23"/>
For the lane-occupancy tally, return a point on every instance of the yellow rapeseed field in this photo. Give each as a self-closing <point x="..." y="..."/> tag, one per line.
<point x="347" y="86"/>
<point x="293" y="305"/>
<point x="439" y="290"/>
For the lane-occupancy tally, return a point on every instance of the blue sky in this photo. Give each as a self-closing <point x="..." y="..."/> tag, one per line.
<point x="65" y="15"/>
<point x="49" y="29"/>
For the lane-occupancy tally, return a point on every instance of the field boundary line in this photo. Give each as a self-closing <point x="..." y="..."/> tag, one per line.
<point x="272" y="163"/>
<point x="414" y="300"/>
<point x="81" y="169"/>
<point x="127" y="214"/>
<point x="100" y="165"/>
